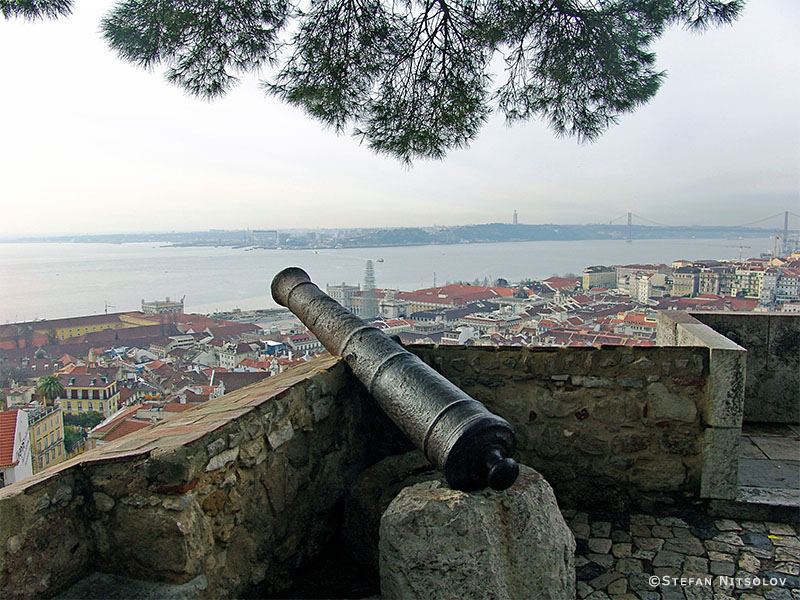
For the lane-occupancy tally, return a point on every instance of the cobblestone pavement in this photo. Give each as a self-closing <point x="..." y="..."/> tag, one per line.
<point x="645" y="557"/>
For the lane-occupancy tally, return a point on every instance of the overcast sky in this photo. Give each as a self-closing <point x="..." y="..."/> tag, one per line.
<point x="90" y="144"/>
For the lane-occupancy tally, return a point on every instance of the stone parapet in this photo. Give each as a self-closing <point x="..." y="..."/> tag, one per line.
<point x="723" y="407"/>
<point x="772" y="385"/>
<point x="219" y="491"/>
<point x="634" y="422"/>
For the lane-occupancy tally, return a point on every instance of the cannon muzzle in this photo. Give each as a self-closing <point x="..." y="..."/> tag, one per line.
<point x="457" y="434"/>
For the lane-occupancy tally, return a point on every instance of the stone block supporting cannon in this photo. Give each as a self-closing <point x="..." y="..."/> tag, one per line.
<point x="457" y="434"/>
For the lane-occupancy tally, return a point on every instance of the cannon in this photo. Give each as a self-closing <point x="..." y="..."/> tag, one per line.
<point x="456" y="433"/>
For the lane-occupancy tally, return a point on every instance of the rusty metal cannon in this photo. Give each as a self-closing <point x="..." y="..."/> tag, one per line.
<point x="457" y="434"/>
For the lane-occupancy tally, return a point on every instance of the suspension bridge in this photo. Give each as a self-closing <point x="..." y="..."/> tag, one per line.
<point x="787" y="235"/>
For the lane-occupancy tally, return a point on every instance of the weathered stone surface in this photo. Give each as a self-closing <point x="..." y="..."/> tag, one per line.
<point x="512" y="544"/>
<point x="773" y="362"/>
<point x="102" y="585"/>
<point x="369" y="497"/>
<point x="584" y="419"/>
<point x="664" y="405"/>
<point x="222" y="459"/>
<point x="720" y="463"/>
<point x="103" y="502"/>
<point x="281" y="434"/>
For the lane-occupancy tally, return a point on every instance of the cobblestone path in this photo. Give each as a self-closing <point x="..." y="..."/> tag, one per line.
<point x="645" y="557"/>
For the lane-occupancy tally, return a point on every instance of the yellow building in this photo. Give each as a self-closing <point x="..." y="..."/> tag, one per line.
<point x="599" y="276"/>
<point x="89" y="393"/>
<point x="63" y="329"/>
<point x="46" y="427"/>
<point x="137" y="319"/>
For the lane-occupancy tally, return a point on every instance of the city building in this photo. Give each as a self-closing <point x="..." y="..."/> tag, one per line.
<point x="343" y="294"/>
<point x="627" y="275"/>
<point x="390" y="307"/>
<point x="747" y="280"/>
<point x="15" y="447"/>
<point x="266" y="238"/>
<point x="788" y="286"/>
<point x="46" y="427"/>
<point x="685" y="281"/>
<point x="232" y="353"/>
<point x="599" y="276"/>
<point x="89" y="393"/>
<point x="159" y="307"/>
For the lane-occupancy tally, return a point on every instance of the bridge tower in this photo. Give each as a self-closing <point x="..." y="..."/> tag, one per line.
<point x="630" y="219"/>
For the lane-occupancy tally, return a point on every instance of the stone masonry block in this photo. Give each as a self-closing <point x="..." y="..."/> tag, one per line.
<point x="439" y="543"/>
<point x="724" y="406"/>
<point x="719" y="478"/>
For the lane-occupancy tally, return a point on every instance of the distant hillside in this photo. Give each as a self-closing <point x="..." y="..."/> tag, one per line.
<point x="412" y="236"/>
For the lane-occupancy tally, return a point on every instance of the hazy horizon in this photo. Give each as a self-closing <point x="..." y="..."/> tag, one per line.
<point x="755" y="230"/>
<point x="95" y="145"/>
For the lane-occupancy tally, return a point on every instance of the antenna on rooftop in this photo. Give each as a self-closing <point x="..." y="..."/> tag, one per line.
<point x="108" y="305"/>
<point x="785" y="238"/>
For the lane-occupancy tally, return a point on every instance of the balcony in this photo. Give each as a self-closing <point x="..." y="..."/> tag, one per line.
<point x="247" y="494"/>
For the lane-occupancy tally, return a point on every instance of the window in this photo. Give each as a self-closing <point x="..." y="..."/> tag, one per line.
<point x="38" y="429"/>
<point x="47" y="458"/>
<point x="59" y="450"/>
<point x="80" y="405"/>
<point x="40" y="463"/>
<point x="69" y="405"/>
<point x="90" y="406"/>
<point x="40" y="445"/>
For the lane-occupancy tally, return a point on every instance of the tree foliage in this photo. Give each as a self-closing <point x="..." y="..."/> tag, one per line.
<point x="87" y="420"/>
<point x="412" y="78"/>
<point x="50" y="387"/>
<point x="73" y="436"/>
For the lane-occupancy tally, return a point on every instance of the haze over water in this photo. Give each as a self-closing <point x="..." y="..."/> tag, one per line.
<point x="63" y="279"/>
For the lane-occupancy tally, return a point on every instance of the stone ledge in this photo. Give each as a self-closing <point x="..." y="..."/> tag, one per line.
<point x="102" y="586"/>
<point x="183" y="429"/>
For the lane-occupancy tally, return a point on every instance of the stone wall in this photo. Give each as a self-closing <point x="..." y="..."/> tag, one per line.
<point x="237" y="492"/>
<point x="772" y="387"/>
<point x="610" y="426"/>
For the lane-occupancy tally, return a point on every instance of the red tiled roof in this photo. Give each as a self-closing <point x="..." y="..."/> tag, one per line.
<point x="561" y="282"/>
<point x="128" y="412"/>
<point x="85" y="380"/>
<point x="454" y="294"/>
<point x="176" y="407"/>
<point x="8" y="430"/>
<point x="125" y="427"/>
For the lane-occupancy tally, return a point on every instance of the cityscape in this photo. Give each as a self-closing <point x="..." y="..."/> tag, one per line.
<point x="69" y="385"/>
<point x="565" y="241"/>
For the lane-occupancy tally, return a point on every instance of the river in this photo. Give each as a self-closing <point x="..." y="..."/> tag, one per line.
<point x="69" y="279"/>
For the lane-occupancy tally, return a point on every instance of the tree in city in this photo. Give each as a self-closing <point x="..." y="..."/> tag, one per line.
<point x="413" y="78"/>
<point x="73" y="436"/>
<point x="50" y="387"/>
<point x="86" y="420"/>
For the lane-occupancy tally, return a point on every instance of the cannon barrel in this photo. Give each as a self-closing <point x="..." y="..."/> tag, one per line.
<point x="457" y="434"/>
